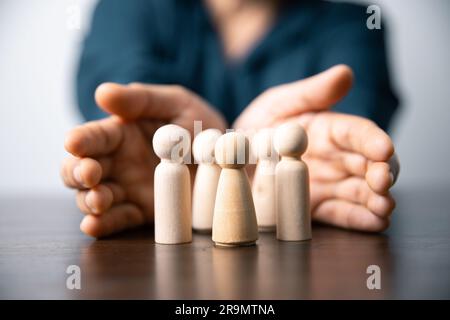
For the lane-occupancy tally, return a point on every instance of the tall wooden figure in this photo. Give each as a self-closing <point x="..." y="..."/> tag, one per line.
<point x="292" y="184"/>
<point x="263" y="188"/>
<point x="206" y="179"/>
<point x="172" y="186"/>
<point x="234" y="222"/>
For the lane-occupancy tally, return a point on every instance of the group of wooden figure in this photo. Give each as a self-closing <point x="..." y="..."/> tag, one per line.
<point x="222" y="201"/>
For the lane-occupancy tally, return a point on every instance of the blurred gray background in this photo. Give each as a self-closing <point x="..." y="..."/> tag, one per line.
<point x="39" y="51"/>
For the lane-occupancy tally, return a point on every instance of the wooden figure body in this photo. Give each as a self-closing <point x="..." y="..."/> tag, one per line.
<point x="234" y="221"/>
<point x="172" y="186"/>
<point x="292" y="184"/>
<point x="206" y="179"/>
<point x="263" y="188"/>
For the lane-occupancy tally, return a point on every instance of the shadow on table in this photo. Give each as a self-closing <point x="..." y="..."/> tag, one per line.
<point x="333" y="265"/>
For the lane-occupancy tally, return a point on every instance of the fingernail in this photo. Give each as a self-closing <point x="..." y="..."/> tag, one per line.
<point x="90" y="203"/>
<point x="77" y="175"/>
<point x="391" y="175"/>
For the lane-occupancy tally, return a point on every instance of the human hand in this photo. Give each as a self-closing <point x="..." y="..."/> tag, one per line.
<point x="112" y="161"/>
<point x="350" y="158"/>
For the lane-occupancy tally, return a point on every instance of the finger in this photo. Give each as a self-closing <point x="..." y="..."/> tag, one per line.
<point x="360" y="135"/>
<point x="84" y="173"/>
<point x="305" y="119"/>
<point x="382" y="206"/>
<point x="81" y="204"/>
<point x="94" y="138"/>
<point x="100" y="198"/>
<point x="348" y="215"/>
<point x="316" y="93"/>
<point x="337" y="167"/>
<point x="164" y="103"/>
<point x="356" y="190"/>
<point x="325" y="170"/>
<point x="354" y="163"/>
<point x="118" y="218"/>
<point x="394" y="166"/>
<point x="133" y="101"/>
<point x="379" y="177"/>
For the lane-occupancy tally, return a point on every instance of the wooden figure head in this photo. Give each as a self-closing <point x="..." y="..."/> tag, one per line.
<point x="232" y="150"/>
<point x="204" y="144"/>
<point x="171" y="143"/>
<point x="263" y="146"/>
<point x="290" y="140"/>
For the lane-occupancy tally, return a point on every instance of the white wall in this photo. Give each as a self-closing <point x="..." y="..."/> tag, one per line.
<point x="37" y="62"/>
<point x="419" y="46"/>
<point x="38" y="55"/>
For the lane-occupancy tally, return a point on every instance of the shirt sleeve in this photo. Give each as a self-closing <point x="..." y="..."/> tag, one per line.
<point x="352" y="43"/>
<point x="121" y="46"/>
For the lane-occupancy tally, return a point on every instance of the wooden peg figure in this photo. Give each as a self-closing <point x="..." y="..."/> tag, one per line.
<point x="263" y="188"/>
<point x="172" y="186"/>
<point x="234" y="221"/>
<point x="292" y="184"/>
<point x="206" y="179"/>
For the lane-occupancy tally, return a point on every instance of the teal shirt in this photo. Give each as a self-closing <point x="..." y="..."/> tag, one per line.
<point x="174" y="42"/>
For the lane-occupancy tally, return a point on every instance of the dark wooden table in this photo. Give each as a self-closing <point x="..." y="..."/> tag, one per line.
<point x="40" y="238"/>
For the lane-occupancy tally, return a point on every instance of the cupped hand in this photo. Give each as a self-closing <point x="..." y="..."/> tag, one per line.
<point x="112" y="161"/>
<point x="350" y="158"/>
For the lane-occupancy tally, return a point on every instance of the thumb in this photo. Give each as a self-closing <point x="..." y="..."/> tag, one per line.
<point x="165" y="103"/>
<point x="138" y="101"/>
<point x="316" y="93"/>
<point x="319" y="92"/>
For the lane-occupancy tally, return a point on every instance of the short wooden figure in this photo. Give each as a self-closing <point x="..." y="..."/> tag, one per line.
<point x="206" y="179"/>
<point x="234" y="221"/>
<point x="263" y="188"/>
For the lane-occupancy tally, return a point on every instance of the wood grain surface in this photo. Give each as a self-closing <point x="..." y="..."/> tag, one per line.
<point x="40" y="238"/>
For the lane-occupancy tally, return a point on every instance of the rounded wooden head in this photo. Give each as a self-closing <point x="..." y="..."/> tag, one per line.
<point x="232" y="150"/>
<point x="262" y="144"/>
<point x="171" y="142"/>
<point x="204" y="144"/>
<point x="290" y="140"/>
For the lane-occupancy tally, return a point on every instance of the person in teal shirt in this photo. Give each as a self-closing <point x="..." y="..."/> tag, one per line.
<point x="244" y="64"/>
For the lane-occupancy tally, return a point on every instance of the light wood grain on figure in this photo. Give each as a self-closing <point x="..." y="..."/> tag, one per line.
<point x="263" y="188"/>
<point x="292" y="184"/>
<point x="172" y="187"/>
<point x="234" y="222"/>
<point x="206" y="180"/>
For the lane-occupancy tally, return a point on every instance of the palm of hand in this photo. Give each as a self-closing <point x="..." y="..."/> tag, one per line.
<point x="133" y="164"/>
